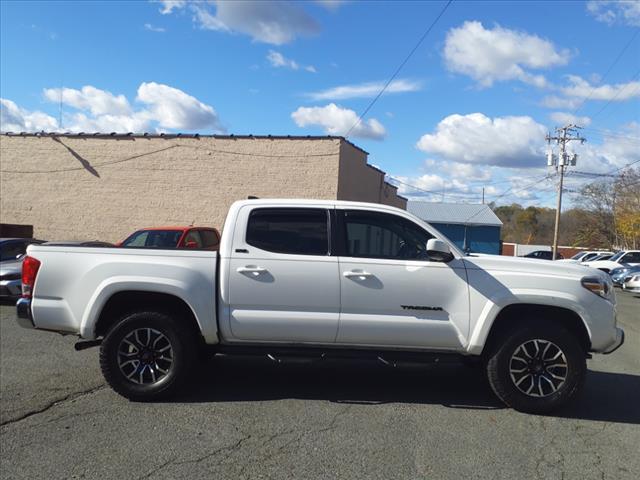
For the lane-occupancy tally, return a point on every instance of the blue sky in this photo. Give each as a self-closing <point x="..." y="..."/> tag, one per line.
<point x="468" y="110"/>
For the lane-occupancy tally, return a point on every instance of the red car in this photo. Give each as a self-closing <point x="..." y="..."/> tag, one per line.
<point x="199" y="238"/>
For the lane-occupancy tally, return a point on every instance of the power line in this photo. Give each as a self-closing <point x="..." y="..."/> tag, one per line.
<point x="635" y="77"/>
<point x="510" y="190"/>
<point x="618" y="57"/>
<point x="606" y="133"/>
<point x="424" y="35"/>
<point x="430" y="191"/>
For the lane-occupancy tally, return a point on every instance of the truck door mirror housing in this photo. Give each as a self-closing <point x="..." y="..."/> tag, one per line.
<point x="438" y="251"/>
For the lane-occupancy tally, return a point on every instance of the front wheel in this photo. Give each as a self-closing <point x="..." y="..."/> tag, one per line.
<point x="537" y="369"/>
<point x="147" y="355"/>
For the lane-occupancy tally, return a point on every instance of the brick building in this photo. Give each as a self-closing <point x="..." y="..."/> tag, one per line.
<point x="84" y="186"/>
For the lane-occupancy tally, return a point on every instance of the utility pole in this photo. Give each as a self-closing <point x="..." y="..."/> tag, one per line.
<point x="563" y="136"/>
<point x="483" y="195"/>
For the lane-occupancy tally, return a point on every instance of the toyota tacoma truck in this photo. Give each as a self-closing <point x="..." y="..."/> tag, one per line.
<point x="320" y="279"/>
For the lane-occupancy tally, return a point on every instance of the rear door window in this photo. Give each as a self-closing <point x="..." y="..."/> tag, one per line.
<point x="299" y="231"/>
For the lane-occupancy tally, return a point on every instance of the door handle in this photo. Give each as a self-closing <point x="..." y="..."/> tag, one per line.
<point x="361" y="274"/>
<point x="254" y="270"/>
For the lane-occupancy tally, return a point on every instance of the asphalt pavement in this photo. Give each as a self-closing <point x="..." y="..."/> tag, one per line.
<point x="250" y="418"/>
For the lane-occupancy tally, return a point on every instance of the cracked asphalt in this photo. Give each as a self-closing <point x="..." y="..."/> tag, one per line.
<point x="250" y="418"/>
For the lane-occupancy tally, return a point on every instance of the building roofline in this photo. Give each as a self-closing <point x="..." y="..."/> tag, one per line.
<point x="169" y="136"/>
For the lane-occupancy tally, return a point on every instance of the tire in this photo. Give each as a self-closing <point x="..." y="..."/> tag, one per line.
<point x="147" y="356"/>
<point x="544" y="385"/>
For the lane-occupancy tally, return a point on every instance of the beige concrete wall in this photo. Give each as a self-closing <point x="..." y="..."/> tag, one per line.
<point x="72" y="188"/>
<point x="360" y="182"/>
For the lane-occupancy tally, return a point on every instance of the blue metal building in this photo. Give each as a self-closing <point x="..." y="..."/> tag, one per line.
<point x="473" y="228"/>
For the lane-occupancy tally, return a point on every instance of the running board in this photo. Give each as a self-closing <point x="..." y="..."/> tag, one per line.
<point x="389" y="358"/>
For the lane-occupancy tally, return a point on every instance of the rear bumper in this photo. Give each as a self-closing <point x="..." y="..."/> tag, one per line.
<point x="24" y="317"/>
<point x="618" y="342"/>
<point x="10" y="288"/>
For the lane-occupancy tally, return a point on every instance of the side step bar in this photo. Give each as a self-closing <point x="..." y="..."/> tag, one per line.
<point x="390" y="358"/>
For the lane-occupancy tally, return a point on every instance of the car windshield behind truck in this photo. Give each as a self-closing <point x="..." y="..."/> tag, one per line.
<point x="154" y="239"/>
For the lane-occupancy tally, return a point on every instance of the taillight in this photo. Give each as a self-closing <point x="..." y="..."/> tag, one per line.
<point x="30" y="268"/>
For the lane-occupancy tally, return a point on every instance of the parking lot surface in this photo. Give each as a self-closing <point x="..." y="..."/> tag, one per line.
<point x="251" y="418"/>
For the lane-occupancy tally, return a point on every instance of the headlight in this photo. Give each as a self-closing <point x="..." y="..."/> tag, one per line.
<point x="599" y="286"/>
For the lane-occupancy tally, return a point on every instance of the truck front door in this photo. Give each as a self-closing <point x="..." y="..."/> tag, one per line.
<point x="283" y="282"/>
<point x="392" y="294"/>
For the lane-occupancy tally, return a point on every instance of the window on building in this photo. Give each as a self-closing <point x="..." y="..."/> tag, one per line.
<point x="381" y="235"/>
<point x="300" y="231"/>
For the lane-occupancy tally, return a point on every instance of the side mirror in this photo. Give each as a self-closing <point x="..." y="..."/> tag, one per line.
<point x="191" y="244"/>
<point x="438" y="251"/>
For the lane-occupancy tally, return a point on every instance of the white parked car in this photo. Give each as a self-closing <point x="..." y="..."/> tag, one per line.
<point x="585" y="256"/>
<point x="628" y="257"/>
<point x="632" y="283"/>
<point x="325" y="279"/>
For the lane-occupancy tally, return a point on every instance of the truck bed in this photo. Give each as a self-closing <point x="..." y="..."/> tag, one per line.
<point x="69" y="276"/>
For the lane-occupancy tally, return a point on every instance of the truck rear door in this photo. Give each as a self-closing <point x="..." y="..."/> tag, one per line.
<point x="283" y="282"/>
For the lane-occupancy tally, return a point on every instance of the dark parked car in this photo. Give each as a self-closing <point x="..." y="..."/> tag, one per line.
<point x="11" y="252"/>
<point x="81" y="243"/>
<point x="542" y="255"/>
<point x="618" y="275"/>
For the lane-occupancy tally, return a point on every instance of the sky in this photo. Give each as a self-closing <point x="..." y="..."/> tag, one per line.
<point x="469" y="110"/>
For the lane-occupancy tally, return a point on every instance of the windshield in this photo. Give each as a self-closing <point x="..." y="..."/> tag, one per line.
<point x="578" y="256"/>
<point x="153" y="239"/>
<point x="617" y="256"/>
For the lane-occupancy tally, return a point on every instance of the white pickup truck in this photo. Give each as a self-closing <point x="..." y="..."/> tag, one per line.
<point x="320" y="279"/>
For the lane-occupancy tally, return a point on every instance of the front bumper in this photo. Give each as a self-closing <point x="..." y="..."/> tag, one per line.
<point x="24" y="317"/>
<point x="617" y="344"/>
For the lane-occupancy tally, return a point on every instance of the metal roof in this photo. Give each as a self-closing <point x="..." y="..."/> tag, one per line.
<point x="454" y="213"/>
<point x="169" y="136"/>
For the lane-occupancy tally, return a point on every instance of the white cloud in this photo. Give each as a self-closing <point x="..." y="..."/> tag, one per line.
<point x="462" y="171"/>
<point x="273" y="22"/>
<point x="335" y="120"/>
<point x="168" y="6"/>
<point x="476" y="138"/>
<point x="614" y="152"/>
<point x="364" y="90"/>
<point x="95" y="110"/>
<point x="277" y="60"/>
<point x="564" y="118"/>
<point x="99" y="102"/>
<point x="153" y="28"/>
<point x="498" y="54"/>
<point x="626" y="12"/>
<point x="16" y="119"/>
<point x="581" y="88"/>
<point x="172" y="108"/>
<point x="554" y="101"/>
<point x="331" y="5"/>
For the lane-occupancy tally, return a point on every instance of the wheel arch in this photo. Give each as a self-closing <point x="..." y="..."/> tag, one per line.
<point x="514" y="315"/>
<point x="122" y="302"/>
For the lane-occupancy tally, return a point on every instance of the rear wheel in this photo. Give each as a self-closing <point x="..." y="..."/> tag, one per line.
<point x="537" y="369"/>
<point x="147" y="356"/>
